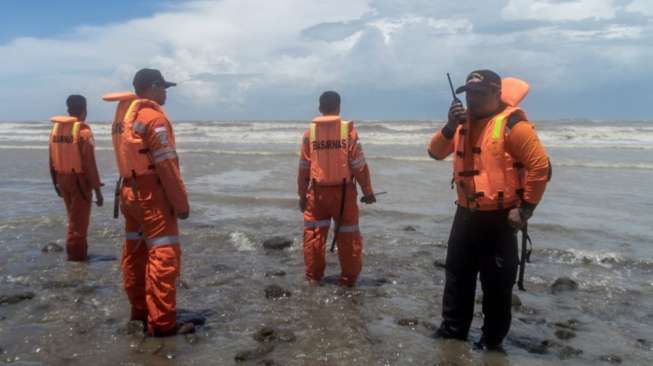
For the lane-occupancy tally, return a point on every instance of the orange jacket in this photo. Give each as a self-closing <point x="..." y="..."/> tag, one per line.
<point x="500" y="155"/>
<point x="144" y="143"/>
<point x="72" y="151"/>
<point x="331" y="152"/>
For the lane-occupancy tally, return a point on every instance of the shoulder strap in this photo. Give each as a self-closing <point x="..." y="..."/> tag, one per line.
<point x="312" y="132"/>
<point x="75" y="131"/>
<point x="55" y="128"/>
<point x="344" y="129"/>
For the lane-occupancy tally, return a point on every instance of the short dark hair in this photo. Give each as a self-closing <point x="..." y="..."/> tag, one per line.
<point x="329" y="101"/>
<point x="76" y="105"/>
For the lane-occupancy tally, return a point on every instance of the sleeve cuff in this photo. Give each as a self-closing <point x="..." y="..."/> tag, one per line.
<point x="448" y="132"/>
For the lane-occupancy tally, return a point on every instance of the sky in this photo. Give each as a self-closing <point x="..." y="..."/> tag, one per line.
<point x="262" y="59"/>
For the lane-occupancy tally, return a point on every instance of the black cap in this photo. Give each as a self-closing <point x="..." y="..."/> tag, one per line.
<point x="145" y="78"/>
<point x="481" y="80"/>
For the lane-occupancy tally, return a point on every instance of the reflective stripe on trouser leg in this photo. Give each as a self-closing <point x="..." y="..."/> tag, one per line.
<point x="163" y="240"/>
<point x="160" y="287"/>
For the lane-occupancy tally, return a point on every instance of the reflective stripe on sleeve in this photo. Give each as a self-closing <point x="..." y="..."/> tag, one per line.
<point x="358" y="163"/>
<point x="166" y="153"/>
<point x="320" y="223"/>
<point x="348" y="229"/>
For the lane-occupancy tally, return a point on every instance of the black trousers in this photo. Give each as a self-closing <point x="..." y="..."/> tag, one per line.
<point x="480" y="241"/>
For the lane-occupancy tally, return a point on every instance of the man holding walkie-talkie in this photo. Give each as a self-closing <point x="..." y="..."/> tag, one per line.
<point x="500" y="171"/>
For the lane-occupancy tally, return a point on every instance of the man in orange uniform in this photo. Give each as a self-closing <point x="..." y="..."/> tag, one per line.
<point x="331" y="161"/>
<point x="501" y="171"/>
<point x="152" y="198"/>
<point x="74" y="173"/>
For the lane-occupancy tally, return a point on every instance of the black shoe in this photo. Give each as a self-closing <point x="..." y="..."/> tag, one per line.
<point x="483" y="345"/>
<point x="443" y="333"/>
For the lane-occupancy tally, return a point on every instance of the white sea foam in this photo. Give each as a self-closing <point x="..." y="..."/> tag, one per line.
<point x="241" y="242"/>
<point x="414" y="133"/>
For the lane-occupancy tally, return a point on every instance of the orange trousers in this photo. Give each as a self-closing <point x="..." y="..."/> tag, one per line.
<point x="323" y="205"/>
<point x="151" y="256"/>
<point x="77" y="199"/>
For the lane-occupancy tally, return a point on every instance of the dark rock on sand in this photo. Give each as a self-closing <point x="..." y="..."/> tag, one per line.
<point x="430" y="326"/>
<point x="188" y="316"/>
<point x="277" y="243"/>
<point x="275" y="273"/>
<point x="16" y="297"/>
<point x="564" y="284"/>
<point x="276" y="292"/>
<point x="440" y="263"/>
<point x="133" y="327"/>
<point x="536" y="321"/>
<point x="252" y="354"/>
<point x="644" y="344"/>
<point x="269" y="334"/>
<point x="267" y="362"/>
<point x="566" y="352"/>
<point x="60" y="284"/>
<point x="191" y="338"/>
<point x="86" y="289"/>
<point x="408" y="322"/>
<point x="565" y="334"/>
<point x="613" y="359"/>
<point x="532" y="345"/>
<point x="409" y="228"/>
<point x="571" y="324"/>
<point x="52" y="247"/>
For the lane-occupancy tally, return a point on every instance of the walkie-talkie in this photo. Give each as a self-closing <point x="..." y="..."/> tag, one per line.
<point x="453" y="93"/>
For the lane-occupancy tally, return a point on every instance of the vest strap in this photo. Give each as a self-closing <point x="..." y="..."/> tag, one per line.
<point x="469" y="173"/>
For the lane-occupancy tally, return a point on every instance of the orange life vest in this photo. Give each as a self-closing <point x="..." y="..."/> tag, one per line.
<point x="496" y="178"/>
<point x="329" y="150"/>
<point x="132" y="155"/>
<point x="64" y="145"/>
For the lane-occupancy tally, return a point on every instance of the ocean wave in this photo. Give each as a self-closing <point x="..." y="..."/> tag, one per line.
<point x="241" y="242"/>
<point x="604" y="258"/>
<point x="603" y="164"/>
<point x="420" y="159"/>
<point x="373" y="133"/>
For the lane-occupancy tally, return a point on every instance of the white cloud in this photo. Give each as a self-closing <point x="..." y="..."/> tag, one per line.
<point x="641" y="6"/>
<point x="556" y="10"/>
<point x="239" y="58"/>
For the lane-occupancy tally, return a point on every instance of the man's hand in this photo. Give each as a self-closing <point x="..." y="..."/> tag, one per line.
<point x="457" y="114"/>
<point x="518" y="217"/>
<point x="99" y="198"/>
<point x="302" y="203"/>
<point x="368" y="199"/>
<point x="182" y="215"/>
<point x="515" y="219"/>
